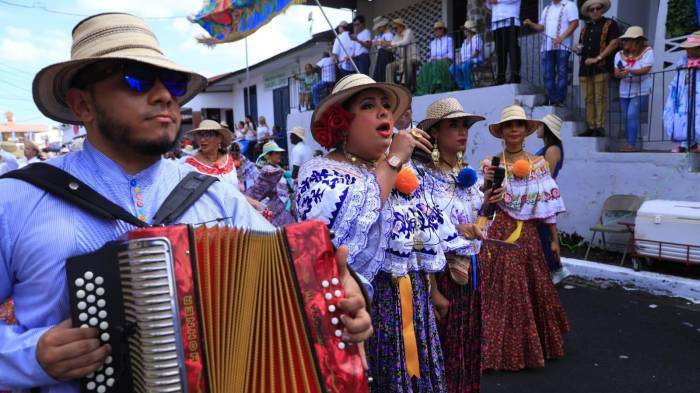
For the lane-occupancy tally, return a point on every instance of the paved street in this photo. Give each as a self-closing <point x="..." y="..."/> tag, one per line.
<point x="621" y="342"/>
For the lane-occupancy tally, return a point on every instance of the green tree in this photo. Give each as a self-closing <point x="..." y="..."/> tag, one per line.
<point x="681" y="18"/>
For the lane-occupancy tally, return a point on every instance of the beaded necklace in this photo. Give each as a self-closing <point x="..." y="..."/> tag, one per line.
<point x="559" y="18"/>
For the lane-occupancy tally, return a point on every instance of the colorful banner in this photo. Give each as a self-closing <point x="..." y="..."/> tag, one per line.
<point x="232" y="20"/>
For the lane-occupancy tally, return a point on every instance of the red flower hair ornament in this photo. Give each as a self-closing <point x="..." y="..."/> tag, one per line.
<point x="328" y="130"/>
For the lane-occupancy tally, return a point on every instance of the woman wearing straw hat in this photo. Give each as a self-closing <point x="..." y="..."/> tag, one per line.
<point x="632" y="65"/>
<point x="470" y="54"/>
<point x="247" y="171"/>
<point x="370" y="202"/>
<point x="272" y="187"/>
<point x="434" y="76"/>
<point x="455" y="291"/>
<point x="553" y="153"/>
<point x="516" y="287"/>
<point x="32" y="153"/>
<point x="406" y="60"/>
<point x="678" y="110"/>
<point x="382" y="41"/>
<point x="212" y="158"/>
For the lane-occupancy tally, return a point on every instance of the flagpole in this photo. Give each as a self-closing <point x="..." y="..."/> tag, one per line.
<point x="247" y="79"/>
<point x="336" y="36"/>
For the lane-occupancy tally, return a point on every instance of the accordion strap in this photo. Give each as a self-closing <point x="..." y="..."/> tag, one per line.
<point x="68" y="188"/>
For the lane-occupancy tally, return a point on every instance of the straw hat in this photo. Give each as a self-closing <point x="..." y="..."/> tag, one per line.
<point x="633" y="33"/>
<point x="439" y="25"/>
<point x="553" y="122"/>
<point x="269" y="147"/>
<point x="399" y="21"/>
<point x="298" y="131"/>
<point x="382" y="22"/>
<point x="513" y="112"/>
<point x="399" y="96"/>
<point x="12" y="148"/>
<point x="102" y="37"/>
<point x="211" y="125"/>
<point x="588" y="3"/>
<point x="446" y="108"/>
<point x="693" y="41"/>
<point x="470" y="25"/>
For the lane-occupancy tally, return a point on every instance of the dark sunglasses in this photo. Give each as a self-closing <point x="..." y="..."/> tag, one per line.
<point x="138" y="77"/>
<point x="590" y="9"/>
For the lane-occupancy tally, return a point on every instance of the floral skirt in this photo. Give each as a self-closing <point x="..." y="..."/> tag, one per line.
<point x="385" y="349"/>
<point x="7" y="312"/>
<point x="460" y="335"/>
<point x="523" y="321"/>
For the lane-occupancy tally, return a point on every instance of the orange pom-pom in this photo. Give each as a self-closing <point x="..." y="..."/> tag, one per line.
<point x="521" y="168"/>
<point x="406" y="181"/>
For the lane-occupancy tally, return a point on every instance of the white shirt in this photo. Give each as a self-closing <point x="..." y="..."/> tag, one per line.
<point x="363" y="36"/>
<point x="635" y="85"/>
<point x="349" y="45"/>
<point x="327" y="67"/>
<point x="502" y="11"/>
<point x="8" y="162"/>
<point x="264" y="131"/>
<point x="385" y="36"/>
<point x="300" y="154"/>
<point x="442" y="48"/>
<point x="470" y="47"/>
<point x="554" y="26"/>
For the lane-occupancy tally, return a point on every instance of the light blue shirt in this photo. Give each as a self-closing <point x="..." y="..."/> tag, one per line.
<point x="38" y="232"/>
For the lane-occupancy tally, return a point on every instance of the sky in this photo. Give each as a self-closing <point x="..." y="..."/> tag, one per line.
<point x="37" y="34"/>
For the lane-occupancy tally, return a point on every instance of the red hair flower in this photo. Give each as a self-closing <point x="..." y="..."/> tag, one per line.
<point x="329" y="128"/>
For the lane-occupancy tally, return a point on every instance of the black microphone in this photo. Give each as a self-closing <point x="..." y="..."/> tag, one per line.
<point x="495" y="162"/>
<point x="488" y="208"/>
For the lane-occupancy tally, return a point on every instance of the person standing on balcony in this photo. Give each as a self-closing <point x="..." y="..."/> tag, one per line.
<point x="301" y="152"/>
<point x="632" y="66"/>
<point x="505" y="24"/>
<point x="597" y="45"/>
<point x="382" y="41"/>
<point x="470" y="54"/>
<point x="363" y="41"/>
<point x="559" y="20"/>
<point x="434" y="76"/>
<point x="327" y="68"/>
<point x="344" y="49"/>
<point x="307" y="82"/>
<point x="406" y="55"/>
<point x="678" y="110"/>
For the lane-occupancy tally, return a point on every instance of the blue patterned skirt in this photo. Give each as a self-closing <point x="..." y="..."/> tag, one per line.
<point x="385" y="350"/>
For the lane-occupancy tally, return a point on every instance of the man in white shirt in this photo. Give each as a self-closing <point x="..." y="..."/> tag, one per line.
<point x="344" y="49"/>
<point x="301" y="152"/>
<point x="363" y="41"/>
<point x="406" y="55"/>
<point x="559" y="20"/>
<point x="326" y="67"/>
<point x="505" y="24"/>
<point x="434" y="76"/>
<point x="470" y="54"/>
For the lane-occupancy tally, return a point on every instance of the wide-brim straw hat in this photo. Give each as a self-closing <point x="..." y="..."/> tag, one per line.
<point x="269" y="147"/>
<point x="211" y="125"/>
<point x="588" y="3"/>
<point x="439" y="25"/>
<point x="470" y="25"/>
<point x="382" y="22"/>
<point x="399" y="96"/>
<point x="12" y="148"/>
<point x="553" y="122"/>
<point x="399" y="21"/>
<point x="510" y="113"/>
<point x="299" y="131"/>
<point x="446" y="108"/>
<point x="110" y="36"/>
<point x="693" y="41"/>
<point x="633" y="33"/>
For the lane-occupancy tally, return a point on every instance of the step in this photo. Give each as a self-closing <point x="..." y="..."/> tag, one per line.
<point x="541" y="111"/>
<point x="531" y="100"/>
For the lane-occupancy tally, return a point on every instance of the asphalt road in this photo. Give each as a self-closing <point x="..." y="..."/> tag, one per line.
<point x="621" y="341"/>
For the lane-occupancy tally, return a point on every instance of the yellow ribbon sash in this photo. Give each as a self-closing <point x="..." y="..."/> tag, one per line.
<point x="409" y="335"/>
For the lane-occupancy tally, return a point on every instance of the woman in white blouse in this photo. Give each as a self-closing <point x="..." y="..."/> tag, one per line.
<point x="434" y="76"/>
<point x="470" y="54"/>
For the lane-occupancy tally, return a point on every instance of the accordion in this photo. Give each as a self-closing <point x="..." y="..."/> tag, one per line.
<point x="197" y="309"/>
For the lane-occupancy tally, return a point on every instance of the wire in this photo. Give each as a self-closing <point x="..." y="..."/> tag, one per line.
<point x="17" y="86"/>
<point x="39" y="6"/>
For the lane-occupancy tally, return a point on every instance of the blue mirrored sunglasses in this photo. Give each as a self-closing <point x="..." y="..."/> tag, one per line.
<point x="138" y="77"/>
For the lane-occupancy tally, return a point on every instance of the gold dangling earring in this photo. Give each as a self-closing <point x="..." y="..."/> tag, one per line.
<point x="460" y="158"/>
<point x="435" y="154"/>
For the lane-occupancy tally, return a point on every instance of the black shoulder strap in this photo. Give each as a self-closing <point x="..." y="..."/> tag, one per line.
<point x="184" y="195"/>
<point x="65" y="186"/>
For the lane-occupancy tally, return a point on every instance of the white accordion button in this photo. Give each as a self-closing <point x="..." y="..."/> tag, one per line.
<point x="108" y="360"/>
<point x="334" y="321"/>
<point x="109" y="371"/>
<point x="79" y="282"/>
<point x="84" y="326"/>
<point x="337" y="293"/>
<point x="335" y="281"/>
<point x="101" y="303"/>
<point x="83" y="317"/>
<point x="90" y="286"/>
<point x="104" y="337"/>
<point x="104" y="325"/>
<point x="91" y="385"/>
<point x="80" y="294"/>
<point x="88" y="275"/>
<point x="102" y="314"/>
<point x="328" y="296"/>
<point x="331" y="308"/>
<point x="92" y="310"/>
<point x="91" y="298"/>
<point x="341" y="345"/>
<point x="82" y="305"/>
<point x="101" y="389"/>
<point x="325" y="284"/>
<point x="100" y="378"/>
<point x="93" y="321"/>
<point x="100" y="291"/>
<point x="110" y="382"/>
<point x="338" y="333"/>
<point x="99" y="280"/>
<point x="90" y="376"/>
